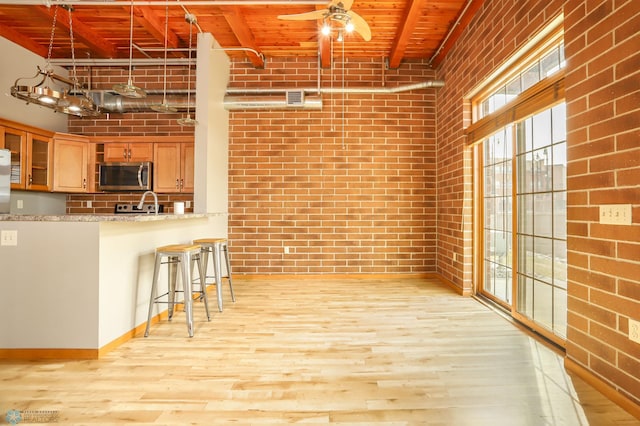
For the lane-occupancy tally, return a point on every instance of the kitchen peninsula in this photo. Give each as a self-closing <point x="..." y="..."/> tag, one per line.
<point x="74" y="286"/>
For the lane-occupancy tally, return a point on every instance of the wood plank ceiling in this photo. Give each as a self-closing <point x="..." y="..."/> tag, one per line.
<point x="401" y="29"/>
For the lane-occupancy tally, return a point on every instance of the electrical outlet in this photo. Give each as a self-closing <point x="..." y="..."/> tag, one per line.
<point x="9" y="238"/>
<point x="616" y="214"/>
<point x="20" y="204"/>
<point x="187" y="204"/>
<point x="89" y="204"/>
<point x="634" y="330"/>
<point x="286" y="250"/>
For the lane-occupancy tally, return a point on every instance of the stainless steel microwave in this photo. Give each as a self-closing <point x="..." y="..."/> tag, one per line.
<point x="125" y="176"/>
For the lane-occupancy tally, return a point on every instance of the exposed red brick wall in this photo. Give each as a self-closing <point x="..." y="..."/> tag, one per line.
<point x="349" y="189"/>
<point x="151" y="78"/>
<point x="602" y="93"/>
<point x="497" y="31"/>
<point x="602" y="40"/>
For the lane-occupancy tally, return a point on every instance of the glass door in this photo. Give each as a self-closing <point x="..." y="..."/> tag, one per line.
<point x="39" y="156"/>
<point x="497" y="232"/>
<point x="524" y="250"/>
<point x="542" y="230"/>
<point x="15" y="141"/>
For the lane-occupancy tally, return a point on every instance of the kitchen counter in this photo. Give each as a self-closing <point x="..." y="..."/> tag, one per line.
<point x="103" y="217"/>
<point x="76" y="285"/>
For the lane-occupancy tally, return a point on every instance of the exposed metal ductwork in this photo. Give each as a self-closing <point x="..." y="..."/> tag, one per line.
<point x="238" y="103"/>
<point x="268" y="98"/>
<point x="245" y="99"/>
<point x="111" y="102"/>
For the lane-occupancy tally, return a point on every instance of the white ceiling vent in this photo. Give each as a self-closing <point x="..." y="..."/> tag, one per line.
<point x="295" y="97"/>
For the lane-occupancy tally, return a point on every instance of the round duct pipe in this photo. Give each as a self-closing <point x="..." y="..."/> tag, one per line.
<point x="111" y="103"/>
<point x="236" y="103"/>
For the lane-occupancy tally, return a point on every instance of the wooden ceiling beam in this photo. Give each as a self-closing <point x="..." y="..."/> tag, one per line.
<point x="21" y="40"/>
<point x="82" y="32"/>
<point x="412" y="13"/>
<point x="154" y="24"/>
<point x="240" y="28"/>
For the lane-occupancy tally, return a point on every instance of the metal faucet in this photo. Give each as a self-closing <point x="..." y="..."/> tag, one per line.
<point x="155" y="201"/>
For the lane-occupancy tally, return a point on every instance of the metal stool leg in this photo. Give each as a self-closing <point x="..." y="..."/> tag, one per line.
<point x="188" y="294"/>
<point x="172" y="267"/>
<point x="225" y="248"/>
<point x="217" y="273"/>
<point x="154" y="290"/>
<point x="203" y="284"/>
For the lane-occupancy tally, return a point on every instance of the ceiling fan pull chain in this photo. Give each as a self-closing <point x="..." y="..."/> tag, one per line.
<point x="344" y="61"/>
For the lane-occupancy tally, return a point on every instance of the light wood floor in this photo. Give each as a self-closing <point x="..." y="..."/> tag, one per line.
<point x="347" y="352"/>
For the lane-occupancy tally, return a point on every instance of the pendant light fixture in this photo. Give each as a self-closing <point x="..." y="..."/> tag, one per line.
<point x="129" y="90"/>
<point x="164" y="107"/>
<point x="71" y="99"/>
<point x="188" y="121"/>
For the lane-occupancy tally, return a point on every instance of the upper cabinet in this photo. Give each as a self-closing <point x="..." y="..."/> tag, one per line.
<point x="71" y="165"/>
<point x="173" y="167"/>
<point x="128" y="151"/>
<point x="39" y="153"/>
<point x="31" y="153"/>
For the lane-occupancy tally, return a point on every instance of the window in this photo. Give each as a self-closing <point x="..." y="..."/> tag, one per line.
<point x="520" y="137"/>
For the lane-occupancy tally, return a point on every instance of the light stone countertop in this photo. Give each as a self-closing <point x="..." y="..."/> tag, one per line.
<point x="103" y="217"/>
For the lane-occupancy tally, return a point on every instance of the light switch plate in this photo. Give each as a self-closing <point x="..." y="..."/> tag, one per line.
<point x="8" y="237"/>
<point x="615" y="214"/>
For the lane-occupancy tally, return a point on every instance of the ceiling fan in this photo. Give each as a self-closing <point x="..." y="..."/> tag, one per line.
<point x="339" y="11"/>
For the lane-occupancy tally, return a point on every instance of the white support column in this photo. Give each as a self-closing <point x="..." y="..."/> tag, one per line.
<point x="212" y="130"/>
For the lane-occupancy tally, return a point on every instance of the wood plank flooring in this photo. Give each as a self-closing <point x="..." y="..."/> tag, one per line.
<point x="342" y="351"/>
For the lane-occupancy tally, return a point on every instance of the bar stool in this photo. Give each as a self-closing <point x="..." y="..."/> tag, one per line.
<point x="184" y="256"/>
<point x="216" y="246"/>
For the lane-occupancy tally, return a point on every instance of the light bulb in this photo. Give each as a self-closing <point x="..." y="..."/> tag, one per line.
<point x="326" y="29"/>
<point x="349" y="27"/>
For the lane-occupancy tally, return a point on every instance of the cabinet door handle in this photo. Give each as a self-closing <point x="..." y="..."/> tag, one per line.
<point x="181" y="183"/>
<point x="125" y="153"/>
<point x="30" y="179"/>
<point x="84" y="183"/>
<point x="129" y="154"/>
<point x="177" y="183"/>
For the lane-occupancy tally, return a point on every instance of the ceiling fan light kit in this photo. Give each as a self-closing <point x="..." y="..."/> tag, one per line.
<point x="338" y="11"/>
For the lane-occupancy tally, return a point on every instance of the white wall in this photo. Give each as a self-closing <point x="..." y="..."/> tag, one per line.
<point x="82" y="285"/>
<point x="212" y="131"/>
<point x="49" y="286"/>
<point x="20" y="63"/>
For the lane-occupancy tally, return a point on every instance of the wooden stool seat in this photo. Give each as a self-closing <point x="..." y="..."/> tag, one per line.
<point x="210" y="240"/>
<point x="217" y="246"/>
<point x="182" y="255"/>
<point x="178" y="248"/>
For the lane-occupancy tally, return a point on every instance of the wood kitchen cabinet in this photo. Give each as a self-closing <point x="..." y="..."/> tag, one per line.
<point x="71" y="165"/>
<point x="128" y="152"/>
<point x="173" y="167"/>
<point x="31" y="154"/>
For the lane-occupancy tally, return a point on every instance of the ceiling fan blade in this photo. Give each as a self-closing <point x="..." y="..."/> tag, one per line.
<point x="360" y="25"/>
<point x="343" y="4"/>
<point x="306" y="16"/>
